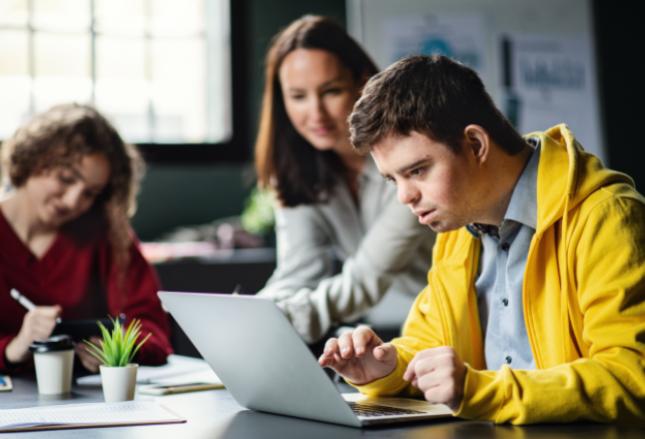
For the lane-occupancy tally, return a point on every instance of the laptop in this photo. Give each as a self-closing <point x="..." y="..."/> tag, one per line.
<point x="266" y="366"/>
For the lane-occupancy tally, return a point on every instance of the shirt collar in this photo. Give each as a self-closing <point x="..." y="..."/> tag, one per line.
<point x="522" y="207"/>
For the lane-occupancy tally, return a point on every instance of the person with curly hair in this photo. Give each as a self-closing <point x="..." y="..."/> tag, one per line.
<point x="69" y="184"/>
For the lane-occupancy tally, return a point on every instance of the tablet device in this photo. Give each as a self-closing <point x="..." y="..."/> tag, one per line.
<point x="82" y="329"/>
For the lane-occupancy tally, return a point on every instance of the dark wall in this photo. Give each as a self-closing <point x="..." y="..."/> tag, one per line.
<point x="619" y="48"/>
<point x="265" y="19"/>
<point x="174" y="195"/>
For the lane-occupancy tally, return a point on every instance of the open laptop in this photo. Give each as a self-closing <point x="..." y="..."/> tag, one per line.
<point x="265" y="365"/>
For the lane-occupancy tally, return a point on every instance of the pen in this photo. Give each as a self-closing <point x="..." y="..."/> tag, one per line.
<point x="28" y="304"/>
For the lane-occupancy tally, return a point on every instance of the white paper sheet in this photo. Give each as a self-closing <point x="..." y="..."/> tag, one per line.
<point x="86" y="415"/>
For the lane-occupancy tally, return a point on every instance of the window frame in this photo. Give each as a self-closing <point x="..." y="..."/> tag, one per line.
<point x="236" y="149"/>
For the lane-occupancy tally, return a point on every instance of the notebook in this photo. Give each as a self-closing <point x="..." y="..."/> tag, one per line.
<point x="178" y="370"/>
<point x="82" y="329"/>
<point x="265" y="365"/>
<point x="91" y="415"/>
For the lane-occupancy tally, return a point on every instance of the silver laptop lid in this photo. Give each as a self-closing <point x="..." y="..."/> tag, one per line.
<point x="258" y="356"/>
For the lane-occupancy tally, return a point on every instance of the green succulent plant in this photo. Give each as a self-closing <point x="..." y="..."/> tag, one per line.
<point x="258" y="215"/>
<point x="119" y="346"/>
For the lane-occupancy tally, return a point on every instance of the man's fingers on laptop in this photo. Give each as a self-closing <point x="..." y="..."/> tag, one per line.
<point x="330" y="345"/>
<point x="384" y="352"/>
<point x="363" y="337"/>
<point x="412" y="371"/>
<point x="335" y="362"/>
<point x="331" y="356"/>
<point x="341" y="365"/>
<point x="346" y="345"/>
<point x="323" y="360"/>
<point x="327" y="357"/>
<point x="409" y="374"/>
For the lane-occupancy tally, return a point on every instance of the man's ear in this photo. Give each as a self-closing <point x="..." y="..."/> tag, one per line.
<point x="477" y="142"/>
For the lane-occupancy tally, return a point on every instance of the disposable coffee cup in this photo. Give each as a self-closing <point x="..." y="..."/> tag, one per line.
<point x="54" y="360"/>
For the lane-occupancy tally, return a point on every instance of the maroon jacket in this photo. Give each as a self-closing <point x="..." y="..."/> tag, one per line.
<point x="78" y="273"/>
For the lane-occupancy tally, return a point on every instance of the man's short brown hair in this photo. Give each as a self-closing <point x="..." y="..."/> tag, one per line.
<point x="432" y="95"/>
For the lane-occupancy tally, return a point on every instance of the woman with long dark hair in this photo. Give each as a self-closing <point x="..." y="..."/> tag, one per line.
<point x="332" y="204"/>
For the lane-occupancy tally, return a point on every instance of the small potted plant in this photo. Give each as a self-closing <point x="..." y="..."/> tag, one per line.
<point x="116" y="351"/>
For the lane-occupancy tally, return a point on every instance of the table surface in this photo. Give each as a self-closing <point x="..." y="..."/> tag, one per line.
<point x="215" y="414"/>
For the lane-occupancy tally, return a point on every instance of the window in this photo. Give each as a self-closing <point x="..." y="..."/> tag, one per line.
<point x="159" y="69"/>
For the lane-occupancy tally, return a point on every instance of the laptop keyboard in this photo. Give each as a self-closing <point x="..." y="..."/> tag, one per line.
<point x="371" y="410"/>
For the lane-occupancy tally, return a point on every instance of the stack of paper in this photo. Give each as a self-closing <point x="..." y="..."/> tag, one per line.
<point x="86" y="416"/>
<point x="179" y="370"/>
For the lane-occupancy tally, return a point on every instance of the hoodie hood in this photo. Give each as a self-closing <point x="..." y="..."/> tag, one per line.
<point x="567" y="175"/>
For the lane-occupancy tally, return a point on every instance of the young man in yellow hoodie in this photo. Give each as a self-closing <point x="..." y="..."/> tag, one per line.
<point x="535" y="304"/>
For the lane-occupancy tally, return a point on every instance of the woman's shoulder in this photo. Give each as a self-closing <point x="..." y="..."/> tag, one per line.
<point x="302" y="213"/>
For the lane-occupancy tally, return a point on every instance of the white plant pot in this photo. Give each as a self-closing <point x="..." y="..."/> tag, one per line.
<point x="119" y="382"/>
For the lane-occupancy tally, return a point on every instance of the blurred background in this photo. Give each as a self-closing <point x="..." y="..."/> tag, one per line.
<point x="183" y="80"/>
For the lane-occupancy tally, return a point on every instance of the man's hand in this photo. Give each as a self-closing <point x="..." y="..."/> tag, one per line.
<point x="89" y="361"/>
<point x="360" y="356"/>
<point x="439" y="373"/>
<point x="37" y="324"/>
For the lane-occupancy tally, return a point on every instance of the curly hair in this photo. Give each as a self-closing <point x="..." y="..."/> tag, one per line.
<point x="63" y="135"/>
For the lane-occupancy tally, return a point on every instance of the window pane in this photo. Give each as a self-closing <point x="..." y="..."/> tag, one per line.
<point x="49" y="91"/>
<point x="14" y="80"/>
<point x="62" y="55"/>
<point x="14" y="89"/>
<point x="61" y="15"/>
<point x="59" y="75"/>
<point x="171" y="17"/>
<point x="126" y="102"/>
<point x="13" y="12"/>
<point x="180" y="112"/>
<point x="120" y="57"/>
<point x="111" y="19"/>
<point x="160" y="69"/>
<point x="219" y="121"/>
<point x="13" y="53"/>
<point x="121" y="86"/>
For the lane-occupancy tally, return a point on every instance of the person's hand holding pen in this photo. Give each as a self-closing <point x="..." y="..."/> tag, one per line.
<point x="38" y="324"/>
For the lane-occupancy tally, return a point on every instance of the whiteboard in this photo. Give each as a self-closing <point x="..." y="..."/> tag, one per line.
<point x="537" y="60"/>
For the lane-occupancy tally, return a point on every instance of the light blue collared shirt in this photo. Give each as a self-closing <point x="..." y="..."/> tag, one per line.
<point x="499" y="283"/>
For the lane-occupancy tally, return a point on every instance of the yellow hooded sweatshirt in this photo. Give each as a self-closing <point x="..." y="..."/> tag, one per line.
<point x="583" y="297"/>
